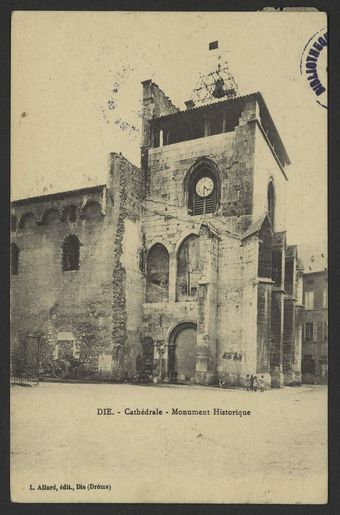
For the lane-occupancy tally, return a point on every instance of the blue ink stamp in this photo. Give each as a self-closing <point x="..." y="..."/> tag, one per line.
<point x="313" y="66"/>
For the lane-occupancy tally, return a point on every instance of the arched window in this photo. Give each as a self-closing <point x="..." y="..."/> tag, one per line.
<point x="188" y="269"/>
<point x="157" y="276"/>
<point x="71" y="247"/>
<point x="271" y="202"/>
<point x="70" y="214"/>
<point x="14" y="259"/>
<point x="91" y="210"/>
<point x="28" y="222"/>
<point x="203" y="188"/>
<point x="51" y="216"/>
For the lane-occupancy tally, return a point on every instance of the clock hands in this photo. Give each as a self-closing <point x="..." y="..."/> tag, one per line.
<point x="208" y="190"/>
<point x="204" y="188"/>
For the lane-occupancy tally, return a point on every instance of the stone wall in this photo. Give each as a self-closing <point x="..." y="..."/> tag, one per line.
<point x="169" y="165"/>
<point x="264" y="298"/>
<point x="267" y="168"/>
<point x="231" y="353"/>
<point x="88" y="304"/>
<point x="288" y="340"/>
<point x="45" y="300"/>
<point x="155" y="104"/>
<point x="226" y="311"/>
<point x="276" y="352"/>
<point x="128" y="280"/>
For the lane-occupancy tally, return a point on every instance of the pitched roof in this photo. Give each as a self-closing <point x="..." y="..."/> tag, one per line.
<point x="255" y="227"/>
<point x="57" y="194"/>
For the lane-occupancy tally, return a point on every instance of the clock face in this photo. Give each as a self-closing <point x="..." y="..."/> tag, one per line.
<point x="204" y="186"/>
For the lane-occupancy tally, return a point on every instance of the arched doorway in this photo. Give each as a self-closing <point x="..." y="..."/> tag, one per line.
<point x="182" y="352"/>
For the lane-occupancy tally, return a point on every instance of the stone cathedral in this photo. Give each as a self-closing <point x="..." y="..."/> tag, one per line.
<point x="178" y="270"/>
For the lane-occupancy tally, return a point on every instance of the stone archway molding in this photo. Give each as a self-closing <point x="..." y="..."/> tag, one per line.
<point x="176" y="327"/>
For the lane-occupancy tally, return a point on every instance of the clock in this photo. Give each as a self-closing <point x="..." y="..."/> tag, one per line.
<point x="204" y="186"/>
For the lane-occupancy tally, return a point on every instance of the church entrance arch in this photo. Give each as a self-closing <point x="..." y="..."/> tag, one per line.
<point x="182" y="352"/>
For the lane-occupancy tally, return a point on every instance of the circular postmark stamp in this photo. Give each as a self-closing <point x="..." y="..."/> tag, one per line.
<point x="313" y="66"/>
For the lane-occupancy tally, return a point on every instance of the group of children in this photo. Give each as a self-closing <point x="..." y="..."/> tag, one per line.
<point x="253" y="383"/>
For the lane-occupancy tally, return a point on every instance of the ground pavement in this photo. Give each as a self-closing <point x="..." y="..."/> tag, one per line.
<point x="277" y="453"/>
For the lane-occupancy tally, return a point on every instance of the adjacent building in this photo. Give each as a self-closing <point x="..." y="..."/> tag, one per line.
<point x="315" y="326"/>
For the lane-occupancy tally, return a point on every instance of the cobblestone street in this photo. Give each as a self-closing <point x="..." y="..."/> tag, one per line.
<point x="277" y="453"/>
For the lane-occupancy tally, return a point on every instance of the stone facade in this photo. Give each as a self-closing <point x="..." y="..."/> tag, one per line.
<point x="91" y="307"/>
<point x="237" y="330"/>
<point x="172" y="284"/>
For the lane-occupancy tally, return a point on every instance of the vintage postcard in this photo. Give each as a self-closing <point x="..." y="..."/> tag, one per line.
<point x="169" y="302"/>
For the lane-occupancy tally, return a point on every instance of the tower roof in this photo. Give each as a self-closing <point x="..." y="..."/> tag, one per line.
<point x="266" y="120"/>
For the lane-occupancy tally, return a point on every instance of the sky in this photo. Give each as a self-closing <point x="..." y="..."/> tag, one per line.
<point x="76" y="93"/>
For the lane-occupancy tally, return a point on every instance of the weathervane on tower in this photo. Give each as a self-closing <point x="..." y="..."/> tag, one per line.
<point x="214" y="85"/>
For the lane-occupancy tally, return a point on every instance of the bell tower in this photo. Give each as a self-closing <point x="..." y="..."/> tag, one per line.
<point x="215" y="233"/>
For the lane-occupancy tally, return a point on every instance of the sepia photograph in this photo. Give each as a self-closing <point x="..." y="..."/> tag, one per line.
<point x="168" y="257"/>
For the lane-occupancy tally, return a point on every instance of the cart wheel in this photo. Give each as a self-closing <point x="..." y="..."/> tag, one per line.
<point x="59" y="368"/>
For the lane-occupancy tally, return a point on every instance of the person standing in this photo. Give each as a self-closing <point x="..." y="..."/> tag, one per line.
<point x="261" y="384"/>
<point x="251" y="382"/>
<point x="247" y="382"/>
<point x="255" y="384"/>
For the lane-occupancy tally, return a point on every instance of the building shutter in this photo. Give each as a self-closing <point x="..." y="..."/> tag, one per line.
<point x="198" y="205"/>
<point x="315" y="332"/>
